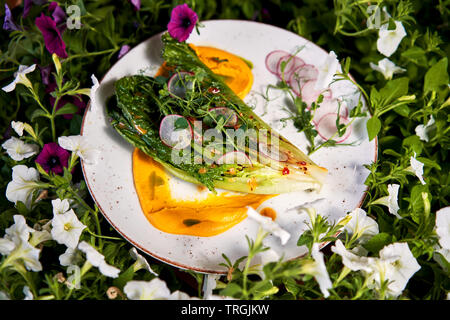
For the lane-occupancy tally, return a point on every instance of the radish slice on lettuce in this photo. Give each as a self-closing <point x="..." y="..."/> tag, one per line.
<point x="178" y="85"/>
<point x="330" y="106"/>
<point x="175" y="131"/>
<point x="326" y="127"/>
<point x="272" y="60"/>
<point x="234" y="157"/>
<point x="301" y="75"/>
<point x="230" y="117"/>
<point x="272" y="152"/>
<point x="310" y="95"/>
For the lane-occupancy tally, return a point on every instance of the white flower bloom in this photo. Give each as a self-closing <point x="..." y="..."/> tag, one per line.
<point x="141" y="262"/>
<point x="4" y="296"/>
<point x="417" y="168"/>
<point x="179" y="295"/>
<point x="60" y="206"/>
<point x="81" y="146"/>
<point x="19" y="150"/>
<point x="28" y="254"/>
<point x="19" y="231"/>
<point x="18" y="127"/>
<point x="20" y="77"/>
<point x="70" y="257"/>
<point x="38" y="237"/>
<point x="443" y="227"/>
<point x="66" y="229"/>
<point x="156" y="289"/>
<point x="388" y="40"/>
<point x="319" y="271"/>
<point x="391" y="201"/>
<point x="28" y="294"/>
<point x="361" y="226"/>
<point x="23" y="185"/>
<point x="269" y="225"/>
<point x="351" y="260"/>
<point x="374" y="20"/>
<point x="326" y="71"/>
<point x="402" y="269"/>
<point x="98" y="260"/>
<point x="387" y="68"/>
<point x="422" y="130"/>
<point x="94" y="89"/>
<point x="266" y="257"/>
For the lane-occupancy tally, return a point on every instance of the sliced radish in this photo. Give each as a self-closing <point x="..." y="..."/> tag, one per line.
<point x="310" y="95"/>
<point x="229" y="115"/>
<point x="178" y="85"/>
<point x="172" y="136"/>
<point x="292" y="62"/>
<point x="272" y="60"/>
<point x="234" y="157"/>
<point x="330" y="106"/>
<point x="272" y="152"/>
<point x="326" y="127"/>
<point x="301" y="75"/>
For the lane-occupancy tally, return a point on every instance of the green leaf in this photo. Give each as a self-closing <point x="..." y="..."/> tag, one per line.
<point x="394" y="89"/>
<point x="68" y="108"/>
<point x="231" y="290"/>
<point x="378" y="242"/>
<point x="415" y="55"/>
<point x="38" y="113"/>
<point x="436" y="76"/>
<point x="373" y="127"/>
<point x="20" y="206"/>
<point x="181" y="123"/>
<point x="416" y="202"/>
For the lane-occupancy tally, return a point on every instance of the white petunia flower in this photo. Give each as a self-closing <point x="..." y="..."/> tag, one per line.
<point x="361" y="226"/>
<point x="18" y="127"/>
<point x="391" y="201"/>
<point x="319" y="271"/>
<point x="402" y="269"/>
<point x="387" y="68"/>
<point x="38" y="237"/>
<point x="19" y="231"/>
<point x="60" y="206"/>
<point x="443" y="227"/>
<point x="28" y="294"/>
<point x="81" y="147"/>
<point x="23" y="185"/>
<point x="98" y="260"/>
<point x="6" y="246"/>
<point x="28" y="254"/>
<point x="179" y="295"/>
<point x="141" y="262"/>
<point x="374" y="20"/>
<point x="389" y="40"/>
<point x="66" y="229"/>
<point x="20" y="77"/>
<point x="4" y="296"/>
<point x="19" y="150"/>
<point x="269" y="225"/>
<point x="351" y="260"/>
<point x="156" y="289"/>
<point x="94" y="89"/>
<point x="422" y="130"/>
<point x="327" y="71"/>
<point x="70" y="257"/>
<point x="266" y="257"/>
<point x="417" y="168"/>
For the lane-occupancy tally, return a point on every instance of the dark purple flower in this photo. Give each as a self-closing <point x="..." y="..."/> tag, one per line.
<point x="52" y="36"/>
<point x="58" y="15"/>
<point x="123" y="51"/>
<point x="45" y="74"/>
<point x="28" y="4"/>
<point x="182" y="22"/>
<point x="53" y="158"/>
<point x="9" y="24"/>
<point x="136" y="4"/>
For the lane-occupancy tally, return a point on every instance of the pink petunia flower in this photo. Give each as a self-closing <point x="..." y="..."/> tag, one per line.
<point x="53" y="158"/>
<point x="182" y="22"/>
<point x="52" y="35"/>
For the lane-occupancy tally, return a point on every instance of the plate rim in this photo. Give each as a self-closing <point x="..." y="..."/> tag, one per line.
<point x="165" y="260"/>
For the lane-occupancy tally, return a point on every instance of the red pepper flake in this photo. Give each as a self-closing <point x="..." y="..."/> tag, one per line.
<point x="285" y="171"/>
<point x="302" y="163"/>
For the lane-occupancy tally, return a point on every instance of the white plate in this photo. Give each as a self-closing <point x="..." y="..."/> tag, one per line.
<point x="110" y="180"/>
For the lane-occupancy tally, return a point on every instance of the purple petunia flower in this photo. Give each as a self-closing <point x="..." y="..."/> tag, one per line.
<point x="136" y="4"/>
<point x="46" y="74"/>
<point x="52" y="36"/>
<point x="58" y="15"/>
<point x="9" y="24"/>
<point x="53" y="158"/>
<point x="182" y="22"/>
<point x="123" y="51"/>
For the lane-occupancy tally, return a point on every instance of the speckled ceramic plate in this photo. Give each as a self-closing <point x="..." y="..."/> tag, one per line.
<point x="110" y="181"/>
